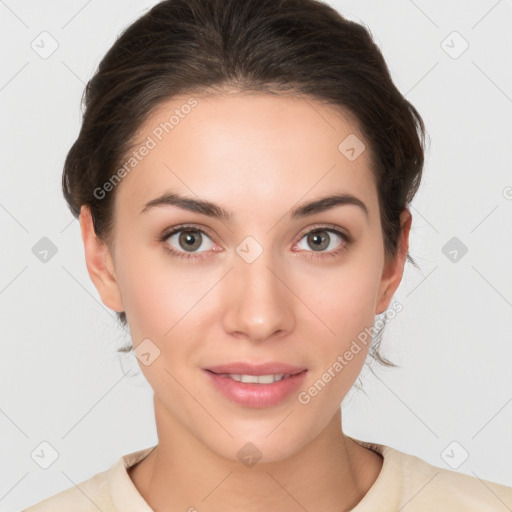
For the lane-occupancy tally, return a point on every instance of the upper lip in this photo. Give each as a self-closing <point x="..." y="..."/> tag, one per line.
<point x="246" y="368"/>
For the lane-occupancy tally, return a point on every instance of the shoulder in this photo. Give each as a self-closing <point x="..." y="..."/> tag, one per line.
<point x="409" y="483"/>
<point x="109" y="491"/>
<point x="87" y="496"/>
<point x="428" y="487"/>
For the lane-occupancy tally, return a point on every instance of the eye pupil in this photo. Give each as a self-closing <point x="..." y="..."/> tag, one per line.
<point x="190" y="241"/>
<point x="318" y="241"/>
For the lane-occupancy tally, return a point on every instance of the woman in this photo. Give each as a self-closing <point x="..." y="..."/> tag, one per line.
<point x="242" y="179"/>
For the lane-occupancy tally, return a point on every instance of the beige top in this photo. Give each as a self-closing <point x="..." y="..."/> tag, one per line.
<point x="405" y="482"/>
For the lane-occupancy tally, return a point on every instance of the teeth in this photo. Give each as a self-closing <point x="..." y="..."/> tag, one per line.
<point x="257" y="379"/>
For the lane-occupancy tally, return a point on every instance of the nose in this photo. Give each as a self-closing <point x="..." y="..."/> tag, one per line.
<point x="258" y="304"/>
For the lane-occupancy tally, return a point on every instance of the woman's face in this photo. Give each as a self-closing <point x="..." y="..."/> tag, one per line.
<point x="258" y="284"/>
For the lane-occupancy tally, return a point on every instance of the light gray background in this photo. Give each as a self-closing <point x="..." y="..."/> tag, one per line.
<point x="61" y="379"/>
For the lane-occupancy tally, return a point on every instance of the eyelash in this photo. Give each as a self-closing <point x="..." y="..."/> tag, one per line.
<point x="311" y="254"/>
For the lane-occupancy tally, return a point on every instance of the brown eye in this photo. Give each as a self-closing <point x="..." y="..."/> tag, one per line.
<point x="189" y="240"/>
<point x="318" y="240"/>
<point x="324" y="240"/>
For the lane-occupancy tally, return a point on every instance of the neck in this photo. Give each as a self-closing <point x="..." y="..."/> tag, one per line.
<point x="330" y="473"/>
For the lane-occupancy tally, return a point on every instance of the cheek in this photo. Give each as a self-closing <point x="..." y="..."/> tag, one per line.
<point x="345" y="299"/>
<point x="160" y="304"/>
<point x="153" y="293"/>
<point x="346" y="305"/>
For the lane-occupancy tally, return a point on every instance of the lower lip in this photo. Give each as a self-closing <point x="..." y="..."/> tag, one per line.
<point x="256" y="395"/>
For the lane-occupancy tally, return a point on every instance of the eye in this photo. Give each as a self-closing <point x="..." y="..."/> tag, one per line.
<point x="324" y="240"/>
<point x="182" y="240"/>
<point x="190" y="242"/>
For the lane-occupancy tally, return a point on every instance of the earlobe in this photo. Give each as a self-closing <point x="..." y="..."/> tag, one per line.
<point x="393" y="270"/>
<point x="99" y="263"/>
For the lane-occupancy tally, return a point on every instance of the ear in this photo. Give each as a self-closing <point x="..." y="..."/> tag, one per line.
<point x="99" y="263"/>
<point x="394" y="269"/>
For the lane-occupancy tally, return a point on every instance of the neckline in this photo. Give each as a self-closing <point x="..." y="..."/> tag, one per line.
<point x="126" y="497"/>
<point x="384" y="494"/>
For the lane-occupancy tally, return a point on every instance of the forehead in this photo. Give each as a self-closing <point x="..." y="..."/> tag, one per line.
<point x="248" y="151"/>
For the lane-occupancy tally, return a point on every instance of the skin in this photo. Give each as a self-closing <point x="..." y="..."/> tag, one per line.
<point x="257" y="156"/>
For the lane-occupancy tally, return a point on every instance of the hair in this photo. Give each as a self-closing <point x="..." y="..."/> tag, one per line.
<point x="296" y="47"/>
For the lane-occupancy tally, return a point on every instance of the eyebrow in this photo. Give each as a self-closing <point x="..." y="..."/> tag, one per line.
<point x="213" y="210"/>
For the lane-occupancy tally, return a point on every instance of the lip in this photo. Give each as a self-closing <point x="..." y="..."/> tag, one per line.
<point x="246" y="368"/>
<point x="255" y="395"/>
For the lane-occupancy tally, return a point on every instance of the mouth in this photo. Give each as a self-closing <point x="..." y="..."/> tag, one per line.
<point x="256" y="379"/>
<point x="255" y="369"/>
<point x="256" y="386"/>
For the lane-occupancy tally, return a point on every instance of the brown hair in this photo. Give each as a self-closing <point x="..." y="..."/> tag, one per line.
<point x="301" y="47"/>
